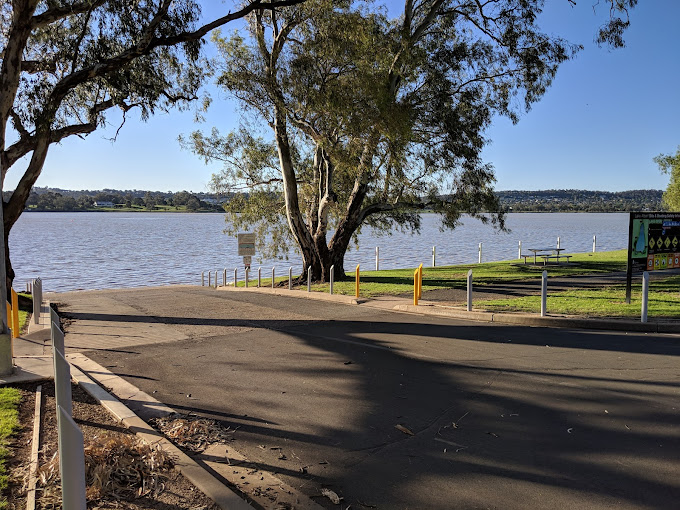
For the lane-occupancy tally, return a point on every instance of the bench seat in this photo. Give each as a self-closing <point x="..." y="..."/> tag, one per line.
<point x="556" y="257"/>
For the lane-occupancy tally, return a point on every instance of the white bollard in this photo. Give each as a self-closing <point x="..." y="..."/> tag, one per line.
<point x="309" y="279"/>
<point x="37" y="299"/>
<point x="434" y="256"/>
<point x="273" y="277"/>
<point x="469" y="291"/>
<point x="215" y="279"/>
<point x="332" y="277"/>
<point x="480" y="253"/>
<point x="558" y="242"/>
<point x="259" y="277"/>
<point x="290" y="278"/>
<point x="594" y="243"/>
<point x="377" y="258"/>
<point x="246" y="280"/>
<point x="202" y="279"/>
<point x="209" y="280"/>
<point x="519" y="250"/>
<point x="544" y="293"/>
<point x="645" y="293"/>
<point x="235" y="278"/>
<point x="224" y="278"/>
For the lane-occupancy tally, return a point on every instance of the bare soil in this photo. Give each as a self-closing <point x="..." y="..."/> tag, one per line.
<point x="95" y="423"/>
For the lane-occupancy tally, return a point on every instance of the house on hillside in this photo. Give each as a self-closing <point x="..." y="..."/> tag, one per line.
<point x="104" y="203"/>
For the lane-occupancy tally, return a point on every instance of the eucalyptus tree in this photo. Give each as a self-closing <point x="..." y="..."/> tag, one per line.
<point x="66" y="63"/>
<point x="670" y="164"/>
<point x="373" y="119"/>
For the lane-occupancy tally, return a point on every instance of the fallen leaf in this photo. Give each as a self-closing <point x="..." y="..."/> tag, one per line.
<point x="403" y="429"/>
<point x="335" y="499"/>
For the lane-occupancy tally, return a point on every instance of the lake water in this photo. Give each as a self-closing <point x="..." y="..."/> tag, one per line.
<point x="111" y="250"/>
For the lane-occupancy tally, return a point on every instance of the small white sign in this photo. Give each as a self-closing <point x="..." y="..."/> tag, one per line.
<point x="247" y="259"/>
<point x="246" y="244"/>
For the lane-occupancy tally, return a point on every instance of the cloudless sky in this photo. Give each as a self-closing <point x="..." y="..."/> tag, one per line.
<point x="607" y="114"/>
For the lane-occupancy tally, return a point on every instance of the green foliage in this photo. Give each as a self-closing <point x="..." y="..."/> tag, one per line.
<point x="670" y="164"/>
<point x="9" y="422"/>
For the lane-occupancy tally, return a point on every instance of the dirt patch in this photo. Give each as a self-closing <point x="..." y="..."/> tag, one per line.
<point x="173" y="492"/>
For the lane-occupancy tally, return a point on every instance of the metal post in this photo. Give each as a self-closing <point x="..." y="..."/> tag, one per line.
<point x="558" y="242"/>
<point x="377" y="258"/>
<point x="309" y="279"/>
<point x="71" y="462"/>
<point x="215" y="279"/>
<point x="469" y="291"/>
<point x="15" y="314"/>
<point x="37" y="300"/>
<point x="246" y="280"/>
<point x="519" y="250"/>
<point x="259" y="277"/>
<point x="273" y="277"/>
<point x="434" y="256"/>
<point x="332" y="277"/>
<point x="224" y="278"/>
<point x="202" y="279"/>
<point x="480" y="253"/>
<point x="420" y="281"/>
<point x="290" y="278"/>
<point x="416" y="277"/>
<point x="235" y="278"/>
<point x="645" y="292"/>
<point x="544" y="292"/>
<point x="209" y="280"/>
<point x="356" y="282"/>
<point x="594" y="243"/>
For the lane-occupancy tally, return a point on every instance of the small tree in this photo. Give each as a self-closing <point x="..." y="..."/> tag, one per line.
<point x="670" y="164"/>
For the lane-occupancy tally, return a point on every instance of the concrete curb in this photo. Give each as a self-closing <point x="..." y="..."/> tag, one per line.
<point x="545" y="322"/>
<point x="240" y="472"/>
<point x="223" y="496"/>
<point x="320" y="296"/>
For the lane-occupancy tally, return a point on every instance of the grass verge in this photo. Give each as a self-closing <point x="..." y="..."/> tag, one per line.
<point x="9" y="421"/>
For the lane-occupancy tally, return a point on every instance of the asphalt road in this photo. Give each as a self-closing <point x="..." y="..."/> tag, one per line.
<point x="501" y="416"/>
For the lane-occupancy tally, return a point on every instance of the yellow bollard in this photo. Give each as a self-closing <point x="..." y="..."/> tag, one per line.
<point x="356" y="283"/>
<point x="415" y="287"/>
<point x="9" y="316"/>
<point x="15" y="314"/>
<point x="420" y="281"/>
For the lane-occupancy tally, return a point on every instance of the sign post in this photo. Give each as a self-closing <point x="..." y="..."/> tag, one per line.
<point x="653" y="243"/>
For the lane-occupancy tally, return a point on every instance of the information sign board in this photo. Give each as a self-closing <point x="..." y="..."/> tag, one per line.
<point x="246" y="244"/>
<point x="653" y="243"/>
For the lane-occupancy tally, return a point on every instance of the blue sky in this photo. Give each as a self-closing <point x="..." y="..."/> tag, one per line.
<point x="607" y="114"/>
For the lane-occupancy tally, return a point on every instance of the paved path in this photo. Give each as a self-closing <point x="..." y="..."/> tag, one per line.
<point x="501" y="416"/>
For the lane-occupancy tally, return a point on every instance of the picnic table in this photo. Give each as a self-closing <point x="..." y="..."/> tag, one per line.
<point x="545" y="254"/>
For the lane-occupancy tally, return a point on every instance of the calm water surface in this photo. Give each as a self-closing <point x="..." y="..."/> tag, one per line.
<point x="110" y="250"/>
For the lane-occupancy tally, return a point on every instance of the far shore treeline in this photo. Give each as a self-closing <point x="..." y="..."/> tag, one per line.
<point x="55" y="199"/>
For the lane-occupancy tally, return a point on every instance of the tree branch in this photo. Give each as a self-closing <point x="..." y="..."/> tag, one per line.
<point x="56" y="13"/>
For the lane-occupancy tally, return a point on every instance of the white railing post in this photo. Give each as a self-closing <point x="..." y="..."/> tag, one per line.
<point x="434" y="256"/>
<point x="37" y="299"/>
<point x="594" y="243"/>
<point x="273" y="277"/>
<point x="224" y="278"/>
<point x="71" y="461"/>
<point x="215" y="279"/>
<point x="645" y="295"/>
<point x="558" y="242"/>
<point x="246" y="280"/>
<point x="235" y="277"/>
<point x="202" y="279"/>
<point x="332" y="277"/>
<point x="469" y="291"/>
<point x="259" y="277"/>
<point x="309" y="279"/>
<point x="290" y="278"/>
<point x="544" y="293"/>
<point x="209" y="279"/>
<point x="519" y="250"/>
<point x="377" y="258"/>
<point x="480" y="253"/>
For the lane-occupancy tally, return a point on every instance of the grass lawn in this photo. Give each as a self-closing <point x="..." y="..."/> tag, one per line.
<point x="663" y="301"/>
<point x="400" y="281"/>
<point x="9" y="421"/>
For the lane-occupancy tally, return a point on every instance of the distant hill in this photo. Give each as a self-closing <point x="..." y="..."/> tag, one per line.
<point x="562" y="200"/>
<point x="574" y="200"/>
